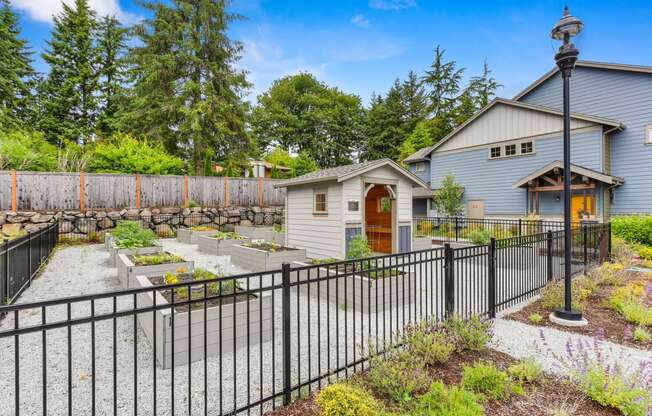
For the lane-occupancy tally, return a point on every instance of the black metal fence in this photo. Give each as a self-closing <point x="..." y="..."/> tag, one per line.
<point x="462" y="229"/>
<point x="21" y="258"/>
<point x="192" y="348"/>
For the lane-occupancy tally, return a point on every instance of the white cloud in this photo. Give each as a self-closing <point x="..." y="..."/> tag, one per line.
<point x="360" y="20"/>
<point x="392" y="4"/>
<point x="43" y="10"/>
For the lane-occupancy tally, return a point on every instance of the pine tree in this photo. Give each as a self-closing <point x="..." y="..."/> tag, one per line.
<point x="16" y="73"/>
<point x="483" y="87"/>
<point x="111" y="45"/>
<point x="69" y="103"/>
<point x="442" y="82"/>
<point x="188" y="93"/>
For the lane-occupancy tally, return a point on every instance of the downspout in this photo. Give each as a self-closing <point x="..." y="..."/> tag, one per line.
<point x="609" y="188"/>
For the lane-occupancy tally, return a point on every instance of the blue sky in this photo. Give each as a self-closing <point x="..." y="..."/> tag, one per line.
<point x="361" y="46"/>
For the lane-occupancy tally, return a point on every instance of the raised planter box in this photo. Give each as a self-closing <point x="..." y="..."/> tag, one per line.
<point x="421" y="243"/>
<point x="220" y="247"/>
<point x="261" y="233"/>
<point x="190" y="236"/>
<point x="255" y="260"/>
<point x="128" y="270"/>
<point x="361" y="293"/>
<point x="115" y="250"/>
<point x="221" y="333"/>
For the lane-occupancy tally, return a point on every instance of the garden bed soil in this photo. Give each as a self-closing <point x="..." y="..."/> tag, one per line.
<point x="218" y="246"/>
<point x="128" y="269"/>
<point x="115" y="250"/>
<point x="261" y="233"/>
<point x="540" y="397"/>
<point x="256" y="259"/>
<point x="190" y="236"/>
<point x="603" y="323"/>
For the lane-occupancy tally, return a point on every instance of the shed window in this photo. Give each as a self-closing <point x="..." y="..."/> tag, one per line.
<point x="495" y="152"/>
<point x="526" y="147"/>
<point x="320" y="205"/>
<point x="420" y="167"/>
<point x="510" y="150"/>
<point x="648" y="134"/>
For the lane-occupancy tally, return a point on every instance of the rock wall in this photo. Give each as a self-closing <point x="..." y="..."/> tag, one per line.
<point x="164" y="221"/>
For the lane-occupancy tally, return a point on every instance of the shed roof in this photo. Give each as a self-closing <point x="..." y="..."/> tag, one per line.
<point x="580" y="170"/>
<point x="422" y="154"/>
<point x="342" y="173"/>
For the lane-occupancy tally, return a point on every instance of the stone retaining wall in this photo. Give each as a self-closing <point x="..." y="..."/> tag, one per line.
<point x="164" y="221"/>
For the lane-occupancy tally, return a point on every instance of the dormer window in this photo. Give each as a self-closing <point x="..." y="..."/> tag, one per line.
<point x="420" y="167"/>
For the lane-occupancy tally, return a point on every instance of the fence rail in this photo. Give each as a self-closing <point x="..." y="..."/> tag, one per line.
<point x="54" y="191"/>
<point x="21" y="258"/>
<point x="195" y="348"/>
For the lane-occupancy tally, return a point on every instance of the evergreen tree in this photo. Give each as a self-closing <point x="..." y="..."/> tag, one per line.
<point x="16" y="73"/>
<point x="442" y="82"/>
<point x="188" y="93"/>
<point x="483" y="87"/>
<point x="111" y="44"/>
<point x="69" y="103"/>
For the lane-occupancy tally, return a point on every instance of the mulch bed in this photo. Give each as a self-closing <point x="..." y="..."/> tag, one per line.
<point x="603" y="323"/>
<point x="541" y="398"/>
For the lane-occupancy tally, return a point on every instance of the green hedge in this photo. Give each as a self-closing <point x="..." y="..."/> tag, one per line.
<point x="633" y="228"/>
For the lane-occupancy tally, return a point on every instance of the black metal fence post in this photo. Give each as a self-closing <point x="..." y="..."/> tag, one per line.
<point x="609" y="240"/>
<point x="549" y="255"/>
<point x="491" y="263"/>
<point x="29" y="256"/>
<point x="449" y="281"/>
<point x="584" y="247"/>
<point x="457" y="232"/>
<point x="520" y="227"/>
<point x="287" y="380"/>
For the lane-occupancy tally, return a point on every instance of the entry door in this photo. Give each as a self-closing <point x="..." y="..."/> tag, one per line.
<point x="577" y="206"/>
<point x="475" y="209"/>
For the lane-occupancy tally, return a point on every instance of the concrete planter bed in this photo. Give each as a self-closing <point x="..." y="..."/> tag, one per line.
<point x="398" y="290"/>
<point x="219" y="246"/>
<point x="115" y="250"/>
<point x="190" y="236"/>
<point x="258" y="258"/>
<point x="221" y="333"/>
<point x="128" y="269"/>
<point x="261" y="233"/>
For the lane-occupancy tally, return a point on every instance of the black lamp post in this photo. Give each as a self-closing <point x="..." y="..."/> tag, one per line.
<point x="567" y="27"/>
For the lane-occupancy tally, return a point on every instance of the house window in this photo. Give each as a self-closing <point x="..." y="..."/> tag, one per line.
<point x="526" y="147"/>
<point x="385" y="205"/>
<point x="495" y="152"/>
<point x="648" y="134"/>
<point x="420" y="167"/>
<point x="510" y="150"/>
<point x="320" y="205"/>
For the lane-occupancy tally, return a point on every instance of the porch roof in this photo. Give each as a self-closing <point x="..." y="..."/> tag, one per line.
<point x="558" y="165"/>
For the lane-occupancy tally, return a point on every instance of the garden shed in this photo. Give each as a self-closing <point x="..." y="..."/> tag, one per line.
<point x="325" y="209"/>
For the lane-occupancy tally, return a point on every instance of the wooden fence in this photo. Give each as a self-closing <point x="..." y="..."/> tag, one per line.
<point x="51" y="191"/>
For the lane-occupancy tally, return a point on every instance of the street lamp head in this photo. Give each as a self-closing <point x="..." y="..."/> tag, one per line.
<point x="567" y="27"/>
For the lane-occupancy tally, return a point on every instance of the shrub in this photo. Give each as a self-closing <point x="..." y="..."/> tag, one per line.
<point x="359" y="248"/>
<point x="160" y="258"/>
<point x="480" y="237"/>
<point x="202" y="228"/>
<point x="641" y="335"/>
<point x="535" y="318"/>
<point x="21" y="150"/>
<point x="552" y="296"/>
<point x="227" y="235"/>
<point x="525" y="371"/>
<point x="448" y="199"/>
<point x="129" y="234"/>
<point x="278" y="228"/>
<point x="425" y="228"/>
<point x="611" y="390"/>
<point x="344" y="399"/>
<point x="486" y="378"/>
<point x="471" y="334"/>
<point x="633" y="228"/>
<point x="637" y="313"/>
<point x="645" y="252"/>
<point x="621" y="252"/>
<point x="399" y="377"/>
<point x="608" y="274"/>
<point x="443" y="401"/>
<point x="428" y="343"/>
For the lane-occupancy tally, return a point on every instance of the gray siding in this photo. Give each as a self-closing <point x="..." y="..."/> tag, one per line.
<point x="425" y="175"/>
<point x="491" y="180"/>
<point x="404" y="238"/>
<point x="349" y="234"/>
<point x="620" y="95"/>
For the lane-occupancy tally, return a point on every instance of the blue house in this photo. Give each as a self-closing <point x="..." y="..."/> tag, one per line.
<point x="508" y="156"/>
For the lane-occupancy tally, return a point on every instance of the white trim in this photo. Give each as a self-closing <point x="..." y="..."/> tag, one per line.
<point x="503" y="149"/>
<point x="316" y="192"/>
<point x="609" y="180"/>
<point x="648" y="134"/>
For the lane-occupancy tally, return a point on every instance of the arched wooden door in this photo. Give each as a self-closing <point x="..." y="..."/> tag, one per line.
<point x="378" y="219"/>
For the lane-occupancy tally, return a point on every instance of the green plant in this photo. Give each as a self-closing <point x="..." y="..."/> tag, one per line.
<point x="22" y="150"/>
<point x="159" y="258"/>
<point x="428" y="343"/>
<point x="191" y="203"/>
<point x="608" y="274"/>
<point x="621" y="251"/>
<point x="633" y="228"/>
<point x="645" y="252"/>
<point x="359" y="248"/>
<point x="641" y="335"/>
<point x="448" y="401"/>
<point x="552" y="296"/>
<point x="343" y="399"/>
<point x="525" y="371"/>
<point x="535" y="318"/>
<point x="611" y="390"/>
<point x="228" y="235"/>
<point x="202" y="228"/>
<point x="448" y="198"/>
<point x="471" y="334"/>
<point x="637" y="313"/>
<point x="480" y="237"/>
<point x="278" y="228"/>
<point x="487" y="379"/>
<point x="399" y="376"/>
<point x="129" y="234"/>
<point x="425" y="228"/>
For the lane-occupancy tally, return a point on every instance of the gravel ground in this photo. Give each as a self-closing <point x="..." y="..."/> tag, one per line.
<point x="324" y="337"/>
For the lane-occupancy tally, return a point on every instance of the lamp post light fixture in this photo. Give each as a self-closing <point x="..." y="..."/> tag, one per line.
<point x="567" y="27"/>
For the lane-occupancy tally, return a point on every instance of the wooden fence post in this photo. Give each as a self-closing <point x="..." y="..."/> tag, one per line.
<point x="81" y="191"/>
<point x="14" y="191"/>
<point x="185" y="190"/>
<point x="261" y="197"/>
<point x="137" y="191"/>
<point x="226" y="191"/>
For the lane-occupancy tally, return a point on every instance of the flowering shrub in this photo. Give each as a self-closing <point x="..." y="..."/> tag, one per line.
<point x="344" y="399"/>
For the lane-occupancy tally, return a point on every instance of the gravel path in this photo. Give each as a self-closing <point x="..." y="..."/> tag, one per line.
<point x="547" y="345"/>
